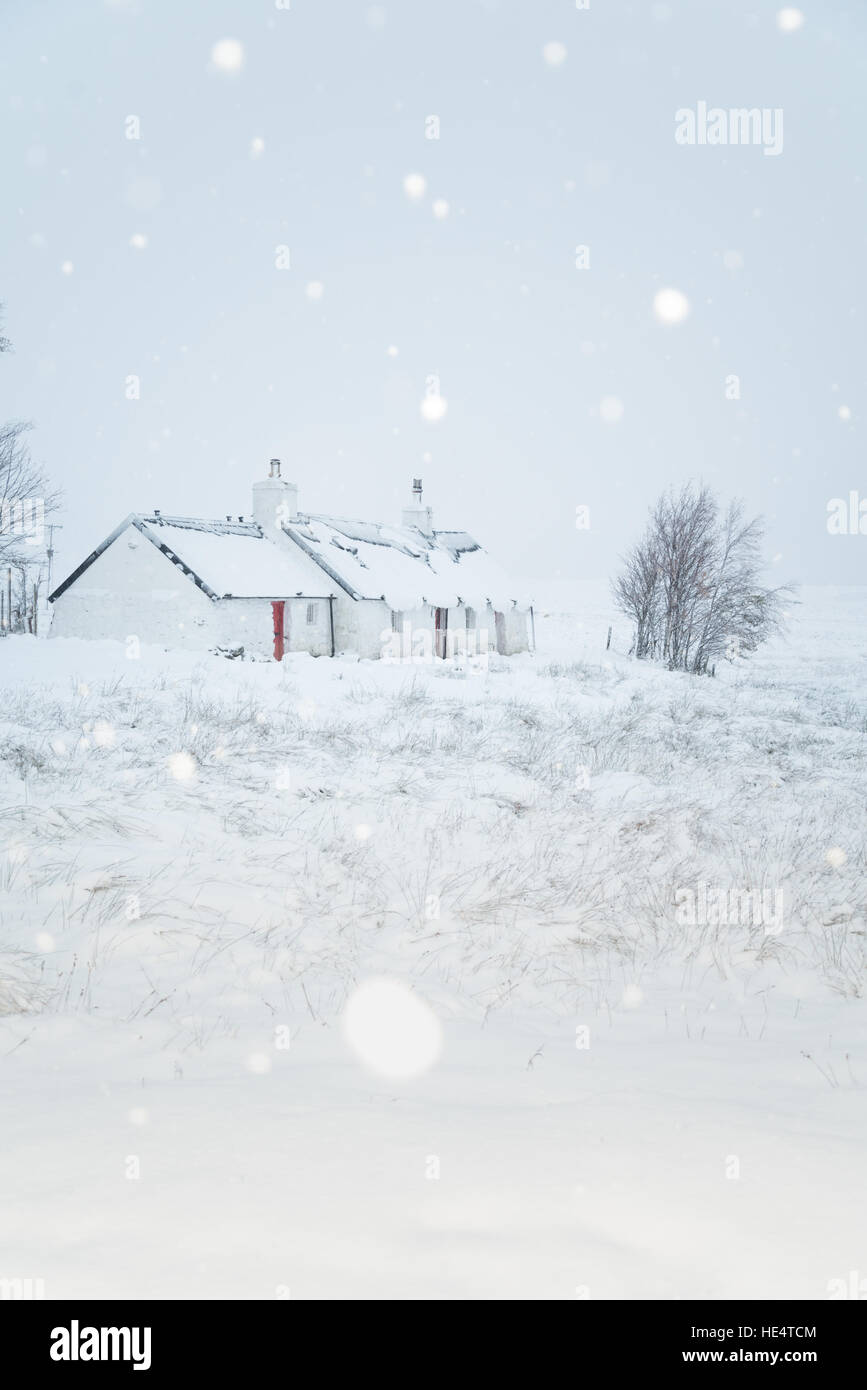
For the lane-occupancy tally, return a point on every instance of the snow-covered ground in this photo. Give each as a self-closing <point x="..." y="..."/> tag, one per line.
<point x="206" y="860"/>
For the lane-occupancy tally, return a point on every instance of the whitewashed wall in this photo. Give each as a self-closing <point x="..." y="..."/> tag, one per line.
<point x="358" y="624"/>
<point x="516" y="628"/>
<point x="381" y="633"/>
<point x="132" y="590"/>
<point x="243" y="622"/>
<point x="301" y="636"/>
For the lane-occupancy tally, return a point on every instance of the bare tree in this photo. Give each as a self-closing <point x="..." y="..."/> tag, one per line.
<point x="638" y="592"/>
<point x="27" y="499"/>
<point x="692" y="584"/>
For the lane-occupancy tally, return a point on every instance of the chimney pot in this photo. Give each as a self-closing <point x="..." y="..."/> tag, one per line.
<point x="275" y="468"/>
<point x="417" y="516"/>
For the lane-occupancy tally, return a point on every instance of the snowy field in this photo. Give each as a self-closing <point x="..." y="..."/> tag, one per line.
<point x="641" y="1092"/>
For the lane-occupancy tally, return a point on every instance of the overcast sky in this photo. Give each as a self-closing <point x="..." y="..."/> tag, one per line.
<point x="158" y="258"/>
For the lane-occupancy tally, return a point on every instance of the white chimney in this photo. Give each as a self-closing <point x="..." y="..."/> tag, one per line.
<point x="418" y="516"/>
<point x="274" y="500"/>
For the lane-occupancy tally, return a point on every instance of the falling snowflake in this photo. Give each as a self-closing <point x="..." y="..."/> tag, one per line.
<point x="414" y="186"/>
<point x="670" y="306"/>
<point x="434" y="407"/>
<point x="182" y="767"/>
<point x="391" y="1029"/>
<point x="227" y="55"/>
<point x="138" y="1115"/>
<point x="733" y="260"/>
<point x="67" y="267"/>
<point x="632" y="997"/>
<point x="103" y="735"/>
<point x="836" y="857"/>
<point x="257" y="147"/>
<point x="138" y="240"/>
<point x="259" y="1063"/>
<point x="611" y="409"/>
<point x="844" y="412"/>
<point x="440" y="209"/>
<point x="315" y="289"/>
<point x="363" y="832"/>
<point x="44" y="941"/>
<point x="554" y="53"/>
<point x="391" y="351"/>
<point x="789" y="19"/>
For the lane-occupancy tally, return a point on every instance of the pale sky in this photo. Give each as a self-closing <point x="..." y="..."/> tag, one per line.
<point x="158" y="258"/>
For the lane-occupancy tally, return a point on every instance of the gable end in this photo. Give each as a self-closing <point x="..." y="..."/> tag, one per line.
<point x="136" y="521"/>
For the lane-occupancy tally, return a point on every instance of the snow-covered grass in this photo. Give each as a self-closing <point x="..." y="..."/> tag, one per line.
<point x="201" y="853"/>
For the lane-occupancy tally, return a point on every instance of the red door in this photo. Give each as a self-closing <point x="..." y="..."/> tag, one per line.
<point x="441" y="623"/>
<point x="277" y="609"/>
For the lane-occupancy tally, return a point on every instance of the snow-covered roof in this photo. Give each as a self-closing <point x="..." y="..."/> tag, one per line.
<point x="400" y="564"/>
<point x="403" y="565"/>
<point x="233" y="558"/>
<point x="226" y="559"/>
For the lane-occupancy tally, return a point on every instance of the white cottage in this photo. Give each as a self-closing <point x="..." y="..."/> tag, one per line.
<point x="286" y="581"/>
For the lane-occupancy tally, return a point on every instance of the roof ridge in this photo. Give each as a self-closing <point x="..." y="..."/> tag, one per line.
<point x="214" y="525"/>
